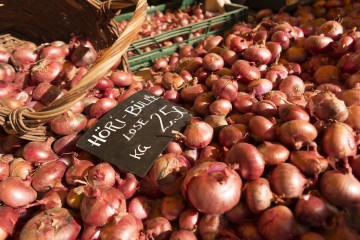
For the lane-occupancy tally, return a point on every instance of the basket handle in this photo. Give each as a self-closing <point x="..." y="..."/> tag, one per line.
<point x="26" y="123"/>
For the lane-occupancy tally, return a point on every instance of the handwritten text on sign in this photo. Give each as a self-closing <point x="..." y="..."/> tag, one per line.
<point x="134" y="133"/>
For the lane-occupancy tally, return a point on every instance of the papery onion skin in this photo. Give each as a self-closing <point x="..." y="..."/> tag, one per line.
<point x="213" y="178"/>
<point x="340" y="189"/>
<point x="188" y="219"/>
<point x="67" y="225"/>
<point x="250" y="161"/>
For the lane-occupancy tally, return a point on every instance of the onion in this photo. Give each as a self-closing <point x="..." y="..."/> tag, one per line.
<point x="340" y="189"/>
<point x="10" y="219"/>
<point x="258" y="195"/>
<point x="54" y="198"/>
<point x="66" y="144"/>
<point x="77" y="171"/>
<point x="238" y="44"/>
<point x="244" y="102"/>
<point x="310" y="163"/>
<point x="350" y="96"/>
<point x="24" y="57"/>
<point x="168" y="171"/>
<point x="260" y="86"/>
<point x="46" y="71"/>
<point x="353" y="119"/>
<point x="327" y="74"/>
<point x="12" y="143"/>
<point x="102" y="175"/>
<point x="275" y="49"/>
<point x="20" y="168"/>
<point x="14" y="192"/>
<point x="317" y="44"/>
<point x="198" y="134"/>
<point x="52" y="53"/>
<point x="125" y="226"/>
<point x="277" y="97"/>
<point x="215" y="227"/>
<point x="48" y="176"/>
<point x="188" y="219"/>
<point x="341" y="47"/>
<point x="273" y="153"/>
<point x="39" y="152"/>
<point x="351" y="63"/>
<point x="158" y="228"/>
<point x="312" y="210"/>
<point x="287" y="181"/>
<point x="102" y="106"/>
<point x="213" y="62"/>
<point x="281" y="37"/>
<point x="182" y="234"/>
<point x="212" y="178"/>
<point x="68" y="123"/>
<point x="338" y="143"/>
<point x="229" y="56"/>
<point x="284" y="226"/>
<point x="121" y="78"/>
<point x="258" y="54"/>
<point x="6" y="89"/>
<point x="189" y="93"/>
<point x="297" y="133"/>
<point x="244" y="71"/>
<point x="332" y="29"/>
<point x="140" y="206"/>
<point x="248" y="230"/>
<point x="7" y="72"/>
<point x="225" y="88"/>
<point x="47" y="93"/>
<point x="4" y="170"/>
<point x="84" y="55"/>
<point x="296" y="54"/>
<point x="100" y="206"/>
<point x="220" y="107"/>
<point x="128" y="186"/>
<point x="265" y="108"/>
<point x="66" y="227"/>
<point x="262" y="129"/>
<point x="171" y="207"/>
<point x="250" y="161"/>
<point x="238" y="213"/>
<point x="289" y="112"/>
<point x="311" y="236"/>
<point x="232" y="134"/>
<point x="353" y="80"/>
<point x="292" y="85"/>
<point x="213" y="150"/>
<point x="326" y="106"/>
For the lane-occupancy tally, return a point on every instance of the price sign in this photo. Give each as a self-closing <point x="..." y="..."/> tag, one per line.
<point x="134" y="133"/>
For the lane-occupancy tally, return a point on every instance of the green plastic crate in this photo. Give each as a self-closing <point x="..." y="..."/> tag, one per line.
<point x="234" y="13"/>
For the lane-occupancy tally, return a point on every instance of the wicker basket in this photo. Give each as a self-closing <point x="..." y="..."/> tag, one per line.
<point x="45" y="21"/>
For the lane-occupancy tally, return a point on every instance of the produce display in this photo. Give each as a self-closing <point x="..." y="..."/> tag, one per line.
<point x="271" y="153"/>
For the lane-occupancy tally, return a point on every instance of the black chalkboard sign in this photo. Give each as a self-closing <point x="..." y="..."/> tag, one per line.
<point x="134" y="133"/>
